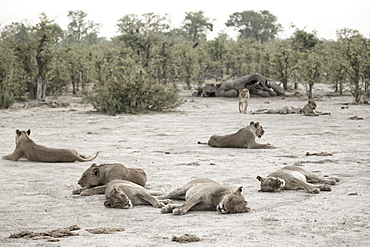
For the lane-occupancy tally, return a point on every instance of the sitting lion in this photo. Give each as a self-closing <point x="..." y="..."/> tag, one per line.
<point x="124" y="194"/>
<point x="27" y="148"/>
<point x="100" y="175"/>
<point x="295" y="178"/>
<point x="244" y="138"/>
<point x="206" y="195"/>
<point x="310" y="109"/>
<point x="243" y="100"/>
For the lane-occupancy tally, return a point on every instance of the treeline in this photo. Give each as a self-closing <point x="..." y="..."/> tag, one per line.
<point x="140" y="69"/>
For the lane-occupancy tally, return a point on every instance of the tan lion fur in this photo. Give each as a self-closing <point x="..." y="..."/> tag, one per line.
<point x="244" y="138"/>
<point x="27" y="148"/>
<point x="124" y="194"/>
<point x="243" y="100"/>
<point x="295" y="178"/>
<point x="206" y="195"/>
<point x="100" y="175"/>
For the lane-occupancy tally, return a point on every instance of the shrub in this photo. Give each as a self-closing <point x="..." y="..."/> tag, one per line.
<point x="132" y="94"/>
<point x="6" y="99"/>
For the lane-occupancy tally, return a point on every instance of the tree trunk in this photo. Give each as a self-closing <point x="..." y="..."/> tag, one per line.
<point x="309" y="93"/>
<point x="41" y="89"/>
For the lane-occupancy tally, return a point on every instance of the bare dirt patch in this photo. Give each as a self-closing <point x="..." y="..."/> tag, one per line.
<point x="37" y="197"/>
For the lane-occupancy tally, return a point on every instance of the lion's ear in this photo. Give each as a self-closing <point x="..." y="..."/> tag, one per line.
<point x="96" y="171"/>
<point x="117" y="189"/>
<point x="251" y="123"/>
<point x="93" y="165"/>
<point x="107" y="204"/>
<point x="257" y="124"/>
<point x="239" y="190"/>
<point x="18" y="132"/>
<point x="29" y="132"/>
<point x="259" y="178"/>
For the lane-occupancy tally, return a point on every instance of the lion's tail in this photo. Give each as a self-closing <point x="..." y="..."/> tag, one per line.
<point x="203" y="143"/>
<point x="84" y="158"/>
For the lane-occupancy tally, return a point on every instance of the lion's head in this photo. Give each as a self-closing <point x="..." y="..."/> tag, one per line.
<point x="312" y="104"/>
<point x="21" y="135"/>
<point x="271" y="184"/>
<point x="90" y="176"/>
<point x="258" y="129"/>
<point x="233" y="203"/>
<point x="118" y="199"/>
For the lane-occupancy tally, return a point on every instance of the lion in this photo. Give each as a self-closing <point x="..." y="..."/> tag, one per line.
<point x="206" y="195"/>
<point x="124" y="194"/>
<point x="27" y="148"/>
<point x="310" y="109"/>
<point x="284" y="110"/>
<point x="243" y="100"/>
<point x="244" y="138"/>
<point x="100" y="175"/>
<point x="295" y="178"/>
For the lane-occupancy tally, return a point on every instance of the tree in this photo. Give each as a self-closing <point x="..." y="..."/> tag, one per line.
<point x="196" y="26"/>
<point x="281" y="56"/>
<point x="7" y="69"/>
<point x="354" y="52"/>
<point x="47" y="34"/>
<point x="19" y="38"/>
<point x="303" y="41"/>
<point x="81" y="30"/>
<point x="261" y="26"/>
<point x="308" y="56"/>
<point x="142" y="34"/>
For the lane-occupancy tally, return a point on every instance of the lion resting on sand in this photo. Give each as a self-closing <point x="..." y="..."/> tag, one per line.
<point x="295" y="178"/>
<point x="244" y="138"/>
<point x="100" y="175"/>
<point x="310" y="109"/>
<point x="284" y="110"/>
<point x="206" y="195"/>
<point x="243" y="100"/>
<point x="27" y="148"/>
<point x="124" y="194"/>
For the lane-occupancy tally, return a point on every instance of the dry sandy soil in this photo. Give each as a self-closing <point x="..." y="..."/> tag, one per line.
<point x="38" y="196"/>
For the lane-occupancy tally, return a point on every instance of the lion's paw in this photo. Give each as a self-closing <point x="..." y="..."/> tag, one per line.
<point x="326" y="187"/>
<point x="76" y="192"/>
<point x="166" y="210"/>
<point x="179" y="211"/>
<point x="315" y="191"/>
<point x="86" y="193"/>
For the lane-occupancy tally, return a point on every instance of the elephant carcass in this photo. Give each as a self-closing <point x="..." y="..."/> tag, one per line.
<point x="255" y="83"/>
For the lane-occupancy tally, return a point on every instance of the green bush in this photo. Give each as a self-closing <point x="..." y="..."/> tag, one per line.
<point x="132" y="94"/>
<point x="6" y="99"/>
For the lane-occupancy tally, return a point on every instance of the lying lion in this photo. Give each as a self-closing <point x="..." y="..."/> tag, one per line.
<point x="308" y="110"/>
<point x="100" y="175"/>
<point x="284" y="110"/>
<point x="27" y="148"/>
<point x="124" y="194"/>
<point x="295" y="178"/>
<point x="244" y="138"/>
<point x="206" y="195"/>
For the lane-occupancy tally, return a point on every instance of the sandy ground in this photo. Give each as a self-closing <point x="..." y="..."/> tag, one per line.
<point x="38" y="196"/>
